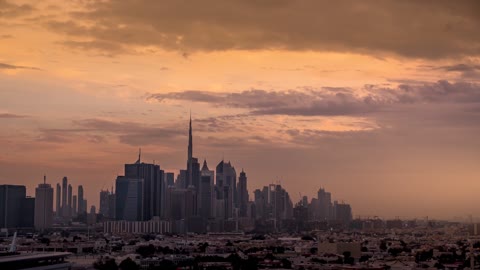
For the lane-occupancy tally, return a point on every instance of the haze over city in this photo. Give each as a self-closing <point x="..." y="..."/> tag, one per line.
<point x="376" y="101"/>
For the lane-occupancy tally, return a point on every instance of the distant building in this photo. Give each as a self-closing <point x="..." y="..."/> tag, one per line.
<point x="43" y="206"/>
<point x="58" y="207"/>
<point x="226" y="181"/>
<point x="242" y="194"/>
<point x="64" y="196"/>
<point x="181" y="203"/>
<point x="152" y="186"/>
<point x="129" y="199"/>
<point x="27" y="213"/>
<point x="74" y="206"/>
<point x="343" y="212"/>
<point x="137" y="227"/>
<point x="82" y="205"/>
<point x="11" y="200"/>
<point x="69" y="201"/>
<point x="169" y="179"/>
<point x="205" y="192"/>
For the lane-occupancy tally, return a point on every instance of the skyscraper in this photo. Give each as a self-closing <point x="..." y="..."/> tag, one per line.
<point x="58" y="207"/>
<point x="104" y="194"/>
<point x="69" y="201"/>
<point x="226" y="179"/>
<point x="11" y="199"/>
<point x="169" y="179"/>
<point x="43" y="206"/>
<point x="193" y="166"/>
<point x="82" y="206"/>
<point x="242" y="194"/>
<point x="74" y="206"/>
<point x="152" y="186"/>
<point x="205" y="192"/>
<point x="324" y="210"/>
<point x="129" y="199"/>
<point x="64" y="196"/>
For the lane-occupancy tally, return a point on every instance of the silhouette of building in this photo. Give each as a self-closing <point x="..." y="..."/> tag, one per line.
<point x="324" y="209"/>
<point x="69" y="201"/>
<point x="12" y="200"/>
<point x="43" y="206"/>
<point x="343" y="212"/>
<point x="205" y="194"/>
<point x="242" y="194"/>
<point x="226" y="179"/>
<point x="74" y="206"/>
<point x="104" y="194"/>
<point x="58" y="207"/>
<point x="64" y="196"/>
<point x="129" y="199"/>
<point x="82" y="204"/>
<point x="153" y="187"/>
<point x="169" y="179"/>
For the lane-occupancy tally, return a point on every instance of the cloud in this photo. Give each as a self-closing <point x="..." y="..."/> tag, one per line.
<point x="8" y="66"/>
<point x="10" y="10"/>
<point x="333" y="101"/>
<point x="11" y="116"/>
<point x="439" y="28"/>
<point x="131" y="133"/>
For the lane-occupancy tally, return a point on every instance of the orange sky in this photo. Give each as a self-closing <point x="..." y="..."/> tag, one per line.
<point x="377" y="102"/>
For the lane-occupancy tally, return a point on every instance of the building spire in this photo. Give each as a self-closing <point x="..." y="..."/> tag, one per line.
<point x="139" y="156"/>
<point x="190" y="152"/>
<point x="44" y="178"/>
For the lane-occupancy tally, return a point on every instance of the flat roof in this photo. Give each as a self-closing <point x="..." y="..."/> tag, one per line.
<point x="33" y="256"/>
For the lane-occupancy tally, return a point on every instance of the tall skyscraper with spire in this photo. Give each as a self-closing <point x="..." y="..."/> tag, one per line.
<point x="190" y="153"/>
<point x="193" y="167"/>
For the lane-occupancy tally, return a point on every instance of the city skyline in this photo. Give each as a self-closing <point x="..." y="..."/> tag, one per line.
<point x="383" y="112"/>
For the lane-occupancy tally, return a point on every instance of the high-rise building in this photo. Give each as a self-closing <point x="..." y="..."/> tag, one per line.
<point x="74" y="206"/>
<point x="27" y="210"/>
<point x="111" y="205"/>
<point x="343" y="212"/>
<point x="69" y="201"/>
<point x="11" y="200"/>
<point x="43" y="206"/>
<point x="82" y="206"/>
<point x="169" y="179"/>
<point x="205" y="194"/>
<point x="226" y="179"/>
<point x="324" y="205"/>
<point x="64" y="196"/>
<point x="104" y="194"/>
<point x="129" y="199"/>
<point x="152" y="186"/>
<point x="181" y="203"/>
<point x="58" y="207"/>
<point x="242" y="194"/>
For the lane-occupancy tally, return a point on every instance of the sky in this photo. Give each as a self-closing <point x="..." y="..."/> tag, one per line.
<point x="378" y="102"/>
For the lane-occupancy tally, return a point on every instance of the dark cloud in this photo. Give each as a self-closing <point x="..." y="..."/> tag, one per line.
<point x="11" y="115"/>
<point x="460" y="68"/>
<point x="426" y="29"/>
<point x="10" y="10"/>
<point x="334" y="101"/>
<point x="131" y="133"/>
<point x="8" y="66"/>
<point x="5" y="36"/>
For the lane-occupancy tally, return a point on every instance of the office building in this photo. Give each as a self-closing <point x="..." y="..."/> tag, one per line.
<point x="129" y="199"/>
<point x="43" y="206"/>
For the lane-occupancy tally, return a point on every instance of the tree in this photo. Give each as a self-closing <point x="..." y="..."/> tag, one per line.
<point x="128" y="264"/>
<point x="105" y="264"/>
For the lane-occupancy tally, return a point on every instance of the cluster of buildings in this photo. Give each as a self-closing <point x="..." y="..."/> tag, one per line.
<point x="146" y="199"/>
